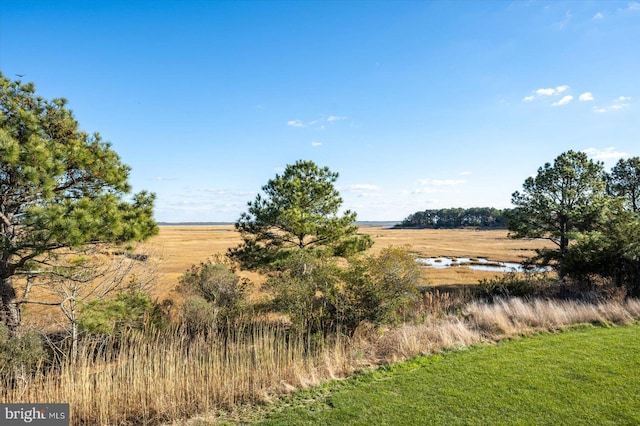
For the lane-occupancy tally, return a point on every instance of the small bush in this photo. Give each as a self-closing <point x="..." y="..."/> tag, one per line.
<point x="131" y="308"/>
<point x="217" y="296"/>
<point x="379" y="289"/>
<point x="320" y="296"/>
<point x="198" y="315"/>
<point x="19" y="356"/>
<point x="516" y="284"/>
<point x="305" y="289"/>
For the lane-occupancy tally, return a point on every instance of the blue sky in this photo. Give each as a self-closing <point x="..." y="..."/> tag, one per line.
<point x="418" y="104"/>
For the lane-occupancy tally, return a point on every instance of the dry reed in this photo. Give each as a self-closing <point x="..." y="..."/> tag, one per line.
<point x="143" y="381"/>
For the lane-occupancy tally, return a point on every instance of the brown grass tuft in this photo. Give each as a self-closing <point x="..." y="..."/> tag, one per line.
<point x="143" y="380"/>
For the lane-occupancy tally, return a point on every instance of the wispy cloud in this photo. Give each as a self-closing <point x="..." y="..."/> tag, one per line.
<point x="361" y="187"/>
<point x="617" y="104"/>
<point x="605" y="154"/>
<point x="335" y="118"/>
<point x="564" y="101"/>
<point x="546" y="92"/>
<point x="598" y="16"/>
<point x="362" y="190"/>
<point x="437" y="186"/>
<point x="466" y="173"/>
<point x="163" y="178"/>
<point x="586" y="96"/>
<point x="316" y="143"/>
<point x="442" y="182"/>
<point x="633" y="6"/>
<point x="565" y="22"/>
<point x="329" y="119"/>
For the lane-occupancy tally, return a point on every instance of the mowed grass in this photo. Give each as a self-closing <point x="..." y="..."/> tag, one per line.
<point x="584" y="376"/>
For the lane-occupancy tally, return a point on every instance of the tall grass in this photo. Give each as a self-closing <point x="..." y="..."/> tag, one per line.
<point x="145" y="380"/>
<point x="142" y="380"/>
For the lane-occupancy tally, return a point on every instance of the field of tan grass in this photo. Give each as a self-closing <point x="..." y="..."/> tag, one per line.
<point x="179" y="247"/>
<point x="176" y="248"/>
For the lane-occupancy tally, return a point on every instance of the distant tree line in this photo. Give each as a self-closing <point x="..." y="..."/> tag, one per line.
<point x="477" y="217"/>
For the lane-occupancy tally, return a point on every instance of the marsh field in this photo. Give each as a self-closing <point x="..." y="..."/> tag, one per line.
<point x="176" y="248"/>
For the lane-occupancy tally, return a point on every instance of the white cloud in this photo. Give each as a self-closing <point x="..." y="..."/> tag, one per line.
<point x="316" y="143"/>
<point x="633" y="6"/>
<point x="616" y="104"/>
<point x="598" y="16"/>
<point x="546" y="92"/>
<point x="465" y="173"/>
<point x="564" y="101"/>
<point x="586" y="96"/>
<point x="335" y="118"/>
<point x="609" y="153"/>
<point x="438" y="186"/>
<point x="361" y="190"/>
<point x="361" y="187"/>
<point x="300" y="123"/>
<point x="163" y="178"/>
<point x="425" y="190"/>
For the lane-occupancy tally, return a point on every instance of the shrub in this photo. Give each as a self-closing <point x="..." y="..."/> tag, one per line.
<point x="131" y="308"/>
<point x="217" y="296"/>
<point x="20" y="355"/>
<point x="319" y="296"/>
<point x="516" y="284"/>
<point x="379" y="289"/>
<point x="198" y="315"/>
<point x="305" y="290"/>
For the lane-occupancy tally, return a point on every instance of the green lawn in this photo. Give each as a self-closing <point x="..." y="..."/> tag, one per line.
<point x="588" y="376"/>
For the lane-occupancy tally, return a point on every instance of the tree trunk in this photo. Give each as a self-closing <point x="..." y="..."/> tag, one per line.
<point x="9" y="309"/>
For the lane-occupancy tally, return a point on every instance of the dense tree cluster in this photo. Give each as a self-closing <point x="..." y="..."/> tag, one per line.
<point x="477" y="217"/>
<point x="591" y="216"/>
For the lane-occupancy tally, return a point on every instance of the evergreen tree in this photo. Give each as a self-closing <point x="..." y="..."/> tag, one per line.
<point x="624" y="181"/>
<point x="59" y="187"/>
<point x="562" y="200"/>
<point x="299" y="211"/>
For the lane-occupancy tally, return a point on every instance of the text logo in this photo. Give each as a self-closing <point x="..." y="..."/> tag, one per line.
<point x="37" y="414"/>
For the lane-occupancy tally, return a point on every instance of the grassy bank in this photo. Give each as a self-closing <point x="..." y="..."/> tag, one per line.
<point x="583" y="376"/>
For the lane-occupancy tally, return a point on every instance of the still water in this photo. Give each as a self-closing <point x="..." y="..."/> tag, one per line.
<point x="479" y="264"/>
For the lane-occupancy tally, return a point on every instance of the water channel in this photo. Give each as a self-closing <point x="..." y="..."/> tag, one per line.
<point x="479" y="264"/>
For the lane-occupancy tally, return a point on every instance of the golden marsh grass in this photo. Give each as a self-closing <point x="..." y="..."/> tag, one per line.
<point x="179" y="247"/>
